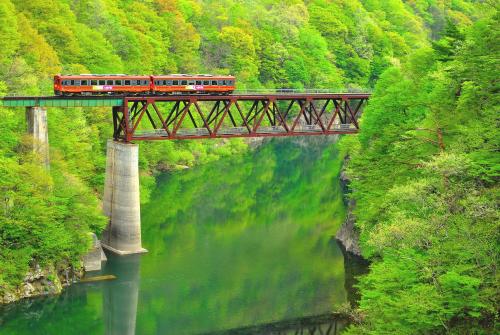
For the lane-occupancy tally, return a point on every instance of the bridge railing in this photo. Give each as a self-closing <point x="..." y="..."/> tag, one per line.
<point x="248" y="91"/>
<point x="301" y="90"/>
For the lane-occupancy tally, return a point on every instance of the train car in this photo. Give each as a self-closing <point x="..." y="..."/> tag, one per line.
<point x="97" y="84"/>
<point x="192" y="84"/>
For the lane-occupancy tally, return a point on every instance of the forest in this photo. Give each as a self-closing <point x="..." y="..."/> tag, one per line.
<point x="423" y="169"/>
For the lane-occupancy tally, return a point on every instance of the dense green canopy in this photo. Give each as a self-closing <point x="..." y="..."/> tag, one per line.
<point x="424" y="169"/>
<point x="425" y="172"/>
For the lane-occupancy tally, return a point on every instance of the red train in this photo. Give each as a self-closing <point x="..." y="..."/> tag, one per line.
<point x="119" y="84"/>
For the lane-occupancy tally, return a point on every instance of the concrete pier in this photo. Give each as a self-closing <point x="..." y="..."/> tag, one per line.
<point x="36" y="119"/>
<point x="95" y="256"/>
<point x="121" y="199"/>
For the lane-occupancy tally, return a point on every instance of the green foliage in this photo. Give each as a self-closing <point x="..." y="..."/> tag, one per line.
<point x="45" y="216"/>
<point x="301" y="44"/>
<point x="424" y="176"/>
<point x="448" y="45"/>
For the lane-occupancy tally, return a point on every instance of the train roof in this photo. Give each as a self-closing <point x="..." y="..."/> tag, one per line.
<point x="85" y="75"/>
<point x="139" y="75"/>
<point x="176" y="75"/>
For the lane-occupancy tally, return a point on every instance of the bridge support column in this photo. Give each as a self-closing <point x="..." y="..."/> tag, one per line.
<point x="36" y="118"/>
<point x="121" y="199"/>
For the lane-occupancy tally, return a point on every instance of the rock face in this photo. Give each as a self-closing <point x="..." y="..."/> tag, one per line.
<point x="51" y="279"/>
<point x="348" y="235"/>
<point x="43" y="281"/>
<point x="92" y="260"/>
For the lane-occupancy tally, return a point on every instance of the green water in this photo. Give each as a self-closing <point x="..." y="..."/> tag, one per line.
<point x="238" y="242"/>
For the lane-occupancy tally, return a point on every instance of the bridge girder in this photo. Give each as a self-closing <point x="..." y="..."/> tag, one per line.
<point x="202" y="117"/>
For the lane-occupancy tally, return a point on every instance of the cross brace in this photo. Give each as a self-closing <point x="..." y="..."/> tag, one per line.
<point x="200" y="117"/>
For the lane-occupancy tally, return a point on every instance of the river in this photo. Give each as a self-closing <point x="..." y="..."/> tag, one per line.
<point x="241" y="241"/>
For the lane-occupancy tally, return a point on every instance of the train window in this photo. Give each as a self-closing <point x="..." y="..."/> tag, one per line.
<point x="118" y="82"/>
<point x="144" y="82"/>
<point x="65" y="82"/>
<point x="77" y="82"/>
<point x="230" y="83"/>
<point x="133" y="82"/>
<point x="198" y="82"/>
<point x="109" y="82"/>
<point x="84" y="82"/>
<point x="191" y="82"/>
<point x="102" y="82"/>
<point x="206" y="82"/>
<point x="184" y="82"/>
<point x="169" y="82"/>
<point x="220" y="82"/>
<point x="214" y="82"/>
<point x="93" y="82"/>
<point x="175" y="82"/>
<point x="127" y="82"/>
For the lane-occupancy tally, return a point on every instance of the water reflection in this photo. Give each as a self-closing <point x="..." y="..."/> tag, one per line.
<point x="324" y="324"/>
<point x="235" y="243"/>
<point x="354" y="267"/>
<point x="120" y="299"/>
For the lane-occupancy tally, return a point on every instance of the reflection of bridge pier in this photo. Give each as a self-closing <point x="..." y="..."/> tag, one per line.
<point x="122" y="295"/>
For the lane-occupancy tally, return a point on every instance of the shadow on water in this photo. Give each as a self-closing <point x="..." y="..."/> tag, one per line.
<point x="235" y="245"/>
<point x="354" y="267"/>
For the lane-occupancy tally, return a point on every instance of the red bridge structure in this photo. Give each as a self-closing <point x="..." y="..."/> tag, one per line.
<point x="179" y="117"/>
<point x="182" y="117"/>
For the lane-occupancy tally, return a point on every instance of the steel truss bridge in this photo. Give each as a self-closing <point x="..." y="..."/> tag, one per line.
<point x="177" y="117"/>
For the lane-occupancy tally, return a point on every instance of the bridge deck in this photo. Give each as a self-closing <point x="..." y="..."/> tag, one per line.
<point x="173" y="117"/>
<point x="117" y="100"/>
<point x="55" y="101"/>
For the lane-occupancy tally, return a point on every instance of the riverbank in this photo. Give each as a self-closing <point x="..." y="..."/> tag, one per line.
<point x="348" y="234"/>
<point x="47" y="280"/>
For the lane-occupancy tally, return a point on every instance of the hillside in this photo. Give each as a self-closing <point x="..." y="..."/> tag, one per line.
<point x="424" y="172"/>
<point x="266" y="44"/>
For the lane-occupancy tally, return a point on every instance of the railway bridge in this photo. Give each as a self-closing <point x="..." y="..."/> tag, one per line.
<point x="187" y="117"/>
